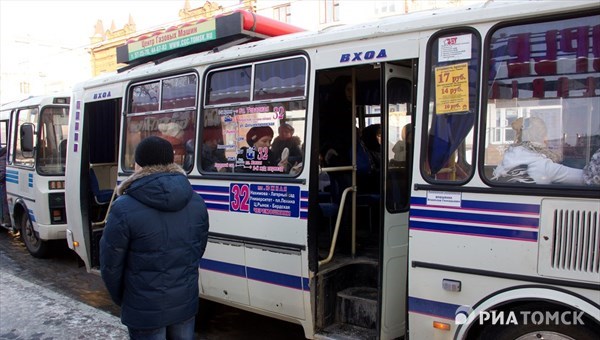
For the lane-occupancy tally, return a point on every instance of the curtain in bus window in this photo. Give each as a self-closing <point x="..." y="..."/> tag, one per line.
<point x="229" y="86"/>
<point x="447" y="133"/>
<point x="454" y="93"/>
<point x="179" y="92"/>
<point x="280" y="79"/>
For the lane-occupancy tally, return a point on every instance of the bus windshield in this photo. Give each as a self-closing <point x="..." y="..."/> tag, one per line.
<point x="52" y="144"/>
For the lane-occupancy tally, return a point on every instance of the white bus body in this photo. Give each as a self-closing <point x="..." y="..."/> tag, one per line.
<point x="437" y="239"/>
<point x="35" y="130"/>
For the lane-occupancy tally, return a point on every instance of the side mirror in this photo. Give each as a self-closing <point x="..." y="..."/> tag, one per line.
<point x="26" y="132"/>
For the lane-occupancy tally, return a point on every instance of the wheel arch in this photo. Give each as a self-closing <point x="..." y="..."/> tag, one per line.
<point x="540" y="296"/>
<point x="19" y="210"/>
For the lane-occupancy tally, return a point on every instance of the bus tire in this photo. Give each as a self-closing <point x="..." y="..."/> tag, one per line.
<point x="35" y="246"/>
<point x="531" y="331"/>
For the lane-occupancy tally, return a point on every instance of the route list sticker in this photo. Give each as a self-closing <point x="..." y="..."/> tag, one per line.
<point x="278" y="200"/>
<point x="457" y="47"/>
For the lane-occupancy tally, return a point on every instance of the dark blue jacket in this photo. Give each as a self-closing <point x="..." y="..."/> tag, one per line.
<point x="150" y="250"/>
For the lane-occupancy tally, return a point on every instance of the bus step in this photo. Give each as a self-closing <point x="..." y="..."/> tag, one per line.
<point x="341" y="331"/>
<point x="357" y="306"/>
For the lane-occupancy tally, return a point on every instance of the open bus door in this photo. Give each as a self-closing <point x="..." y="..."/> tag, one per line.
<point x="397" y="151"/>
<point x="361" y="280"/>
<point x="93" y="158"/>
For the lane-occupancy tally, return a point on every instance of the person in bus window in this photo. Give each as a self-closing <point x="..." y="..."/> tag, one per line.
<point x="401" y="147"/>
<point x="155" y="236"/>
<point x="368" y="158"/>
<point x="286" y="139"/>
<point x="531" y="161"/>
<point x="213" y="159"/>
<point x="173" y="133"/>
<point x="258" y="157"/>
<point x="591" y="172"/>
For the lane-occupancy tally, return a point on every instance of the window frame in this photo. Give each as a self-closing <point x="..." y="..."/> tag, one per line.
<point x="127" y="153"/>
<point x="430" y="97"/>
<point x="284" y="100"/>
<point x="490" y="92"/>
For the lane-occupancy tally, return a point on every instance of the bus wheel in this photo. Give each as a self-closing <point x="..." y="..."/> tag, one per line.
<point x="35" y="246"/>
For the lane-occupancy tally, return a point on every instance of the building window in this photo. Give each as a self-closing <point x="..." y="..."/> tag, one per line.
<point x="329" y="11"/>
<point x="282" y="13"/>
<point x="25" y="87"/>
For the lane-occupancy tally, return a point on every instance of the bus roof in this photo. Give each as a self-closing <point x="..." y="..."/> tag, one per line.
<point x="490" y="11"/>
<point x="58" y="99"/>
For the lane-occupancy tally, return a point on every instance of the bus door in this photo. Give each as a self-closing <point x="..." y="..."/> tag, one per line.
<point x="397" y="114"/>
<point x="92" y="158"/>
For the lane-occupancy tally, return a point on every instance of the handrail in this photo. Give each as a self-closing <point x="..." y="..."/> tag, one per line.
<point x="337" y="226"/>
<point x="112" y="198"/>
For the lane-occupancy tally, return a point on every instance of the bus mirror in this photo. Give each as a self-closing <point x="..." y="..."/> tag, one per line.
<point x="26" y="132"/>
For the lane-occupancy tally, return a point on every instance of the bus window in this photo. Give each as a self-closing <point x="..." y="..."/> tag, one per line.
<point x="25" y="157"/>
<point x="452" y="107"/>
<point x="229" y="86"/>
<point x="543" y="108"/>
<point x="400" y="141"/>
<point x="51" y="145"/>
<point x="263" y="131"/>
<point x="164" y="108"/>
<point x="4" y="130"/>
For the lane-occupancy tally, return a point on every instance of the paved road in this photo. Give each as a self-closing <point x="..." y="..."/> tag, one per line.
<point x="46" y="299"/>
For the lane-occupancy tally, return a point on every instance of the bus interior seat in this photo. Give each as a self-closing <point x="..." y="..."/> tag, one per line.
<point x="62" y="147"/>
<point x="100" y="196"/>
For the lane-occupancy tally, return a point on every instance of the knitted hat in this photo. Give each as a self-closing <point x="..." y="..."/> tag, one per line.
<point x="257" y="133"/>
<point x="154" y="150"/>
<point x="286" y="126"/>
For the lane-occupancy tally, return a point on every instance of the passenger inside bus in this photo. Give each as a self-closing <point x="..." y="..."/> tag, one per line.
<point x="286" y="139"/>
<point x="213" y="159"/>
<point x="257" y="156"/>
<point x="173" y="133"/>
<point x="529" y="160"/>
<point x="399" y="149"/>
<point x="591" y="172"/>
<point x="368" y="177"/>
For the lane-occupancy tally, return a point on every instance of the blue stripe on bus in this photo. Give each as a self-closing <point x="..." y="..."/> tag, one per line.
<point x="432" y="308"/>
<point x="216" y="206"/>
<point x="212" y="189"/>
<point x="212" y="197"/>
<point x="12" y="176"/>
<point x="475" y="231"/>
<point x="270" y="277"/>
<point x="280" y="279"/>
<point x="488" y="206"/>
<point x="30" y="182"/>
<point x="223" y="267"/>
<point x="491" y="219"/>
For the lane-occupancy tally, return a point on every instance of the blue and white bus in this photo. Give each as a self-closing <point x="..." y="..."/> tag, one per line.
<point x="34" y="131"/>
<point x="437" y="240"/>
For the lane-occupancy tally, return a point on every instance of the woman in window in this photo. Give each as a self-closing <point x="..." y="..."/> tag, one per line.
<point x="530" y="160"/>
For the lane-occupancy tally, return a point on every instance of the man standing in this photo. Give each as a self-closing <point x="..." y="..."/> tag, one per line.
<point x="155" y="235"/>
